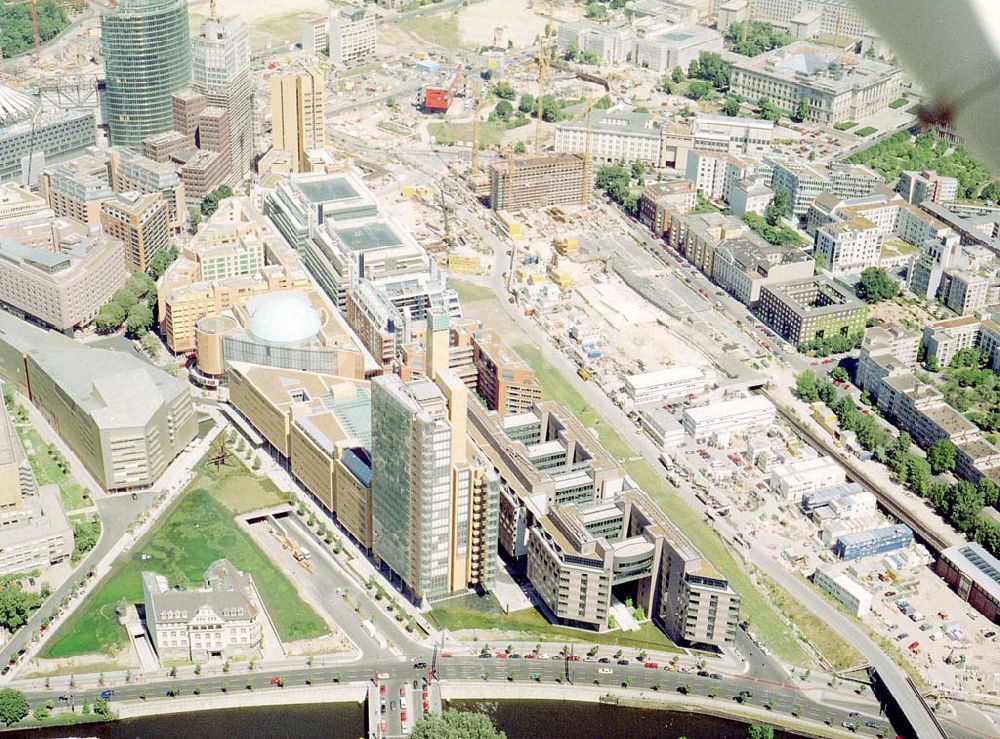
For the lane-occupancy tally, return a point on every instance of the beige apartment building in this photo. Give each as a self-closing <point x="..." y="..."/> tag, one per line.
<point x="18" y="202"/>
<point x="59" y="273"/>
<point x="141" y="222"/>
<point x="504" y="380"/>
<point x="77" y="188"/>
<point x="131" y="172"/>
<point x="298" y="112"/>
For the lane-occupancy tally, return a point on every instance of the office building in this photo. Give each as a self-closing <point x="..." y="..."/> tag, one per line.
<point x="147" y="58"/>
<point x="353" y="36"/>
<point x="26" y="148"/>
<point x="221" y="619"/>
<point x="876" y="541"/>
<point x="536" y="182"/>
<point x="716" y="174"/>
<point x="837" y="86"/>
<point x="805" y="181"/>
<point x="974" y="574"/>
<point x="504" y="380"/>
<point x="723" y="419"/>
<point x="298" y="113"/>
<point x="34" y="530"/>
<point x="125" y="419"/>
<point x="315" y="38"/>
<point x="812" y="309"/>
<point x="661" y="200"/>
<point x="612" y="46"/>
<point x="185" y="107"/>
<point x="945" y="339"/>
<point x="793" y="479"/>
<point x="58" y="273"/>
<point x="18" y="202"/>
<point x="916" y="187"/>
<point x="847" y="591"/>
<point x="697" y="235"/>
<point x="131" y="172"/>
<point x="220" y="70"/>
<point x="832" y="17"/>
<point x="76" y="189"/>
<point x="202" y="172"/>
<point x="666" y="384"/>
<point x="161" y="147"/>
<point x="732" y="135"/>
<point x="141" y="222"/>
<point x="614" y="136"/>
<point x="664" y="48"/>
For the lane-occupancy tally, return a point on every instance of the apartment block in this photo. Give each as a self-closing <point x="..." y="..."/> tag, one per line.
<point x="58" y="273"/>
<point x="804" y="181"/>
<point x="945" y="339"/>
<point x="916" y="187"/>
<point x="125" y="439"/>
<point x="76" y="189"/>
<point x="837" y="86"/>
<point x="697" y="236"/>
<point x="18" y="202"/>
<point x="614" y="136"/>
<point x="536" y="182"/>
<point x="743" y="266"/>
<point x="811" y="309"/>
<point x="353" y="36"/>
<point x="661" y="200"/>
<point x="504" y="380"/>
<point x="141" y="222"/>
<point x="315" y="35"/>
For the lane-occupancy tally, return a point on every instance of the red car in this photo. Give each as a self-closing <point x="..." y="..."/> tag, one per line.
<point x="913" y="645"/>
<point x="277" y="681"/>
<point x="446" y="654"/>
<point x="652" y="665"/>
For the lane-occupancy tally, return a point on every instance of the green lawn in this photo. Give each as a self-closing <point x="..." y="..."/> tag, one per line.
<point x="48" y="470"/>
<point x="469" y="292"/>
<point x="196" y="532"/>
<point x="205" y="426"/>
<point x="898" y="103"/>
<point x="435" y="30"/>
<point x="447" y="133"/>
<point x="866" y="131"/>
<point x="482" y="613"/>
<point x="845" y="125"/>
<point x="756" y="609"/>
<point x="556" y="387"/>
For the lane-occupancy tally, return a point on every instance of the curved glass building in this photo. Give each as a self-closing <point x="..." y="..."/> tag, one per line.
<point x="147" y="58"/>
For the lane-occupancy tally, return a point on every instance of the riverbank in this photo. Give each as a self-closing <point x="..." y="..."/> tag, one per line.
<point x="648" y="700"/>
<point x="235" y="698"/>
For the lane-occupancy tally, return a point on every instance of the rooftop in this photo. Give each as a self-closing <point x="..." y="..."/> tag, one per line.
<point x="977" y="564"/>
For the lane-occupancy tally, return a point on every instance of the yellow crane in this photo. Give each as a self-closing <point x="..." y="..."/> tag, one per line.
<point x="585" y="195"/>
<point x="746" y="22"/>
<point x="474" y="170"/>
<point x="543" y="69"/>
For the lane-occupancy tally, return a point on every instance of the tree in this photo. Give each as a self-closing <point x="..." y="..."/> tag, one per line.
<point x="759" y="731"/>
<point x="768" y="110"/>
<point x="13" y="706"/>
<point x="504" y="110"/>
<point x="551" y="112"/>
<point x="527" y="104"/>
<point x="779" y="207"/>
<point x="211" y="201"/>
<point x="101" y="707"/>
<point x="456" y="725"/>
<point x="504" y="91"/>
<point x="806" y="386"/>
<point x="596" y="11"/>
<point x="520" y="148"/>
<point x="941" y="456"/>
<point x="139" y="320"/>
<point x="876" y="286"/>
<point x="637" y="169"/>
<point x="150" y="344"/>
<point x="731" y="107"/>
<point x="16" y="34"/>
<point x="161" y="260"/>
<point x="194" y="218"/>
<point x="677" y="75"/>
<point x="109" y="318"/>
<point x="801" y="111"/>
<point x="16" y="605"/>
<point x="932" y="363"/>
<point x="699" y="89"/>
<point x="604" y="102"/>
<point x="840" y="374"/>
<point x="694" y="69"/>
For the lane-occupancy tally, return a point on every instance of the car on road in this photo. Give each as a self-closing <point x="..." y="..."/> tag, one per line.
<point x="485" y="655"/>
<point x="605" y="670"/>
<point x="276" y="681"/>
<point x="515" y="656"/>
<point x="848" y="725"/>
<point x="106" y="694"/>
<point x="853" y="714"/>
<point x="605" y="660"/>
<point x="623" y="662"/>
<point x="588" y="658"/>
<point x="651" y="665"/>
<point x="873" y="724"/>
<point x="715" y="676"/>
<point x="383" y="676"/>
<point x="419" y="665"/>
<point x="901" y="635"/>
<point x="446" y="655"/>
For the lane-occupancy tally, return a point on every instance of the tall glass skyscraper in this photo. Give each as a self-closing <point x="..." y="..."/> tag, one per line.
<point x="147" y="58"/>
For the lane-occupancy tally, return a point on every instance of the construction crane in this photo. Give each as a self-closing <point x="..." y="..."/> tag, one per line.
<point x="746" y="23"/>
<point x="474" y="170"/>
<point x="74" y="4"/>
<point x="543" y="68"/>
<point x="585" y="195"/>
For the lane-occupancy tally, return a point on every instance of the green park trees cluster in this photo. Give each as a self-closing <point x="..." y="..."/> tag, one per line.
<point x="13" y="706"/>
<point x="761" y="37"/>
<point x="574" y="54"/>
<point x="615" y="180"/>
<point x="777" y="233"/>
<point x="132" y="305"/>
<point x="456" y="725"/>
<point x="16" y="33"/>
<point x="16" y="605"/>
<point x="959" y="502"/>
<point x="210" y="204"/>
<point x="876" y="285"/>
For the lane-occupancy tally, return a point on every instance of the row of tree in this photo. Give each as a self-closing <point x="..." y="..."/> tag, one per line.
<point x="132" y="306"/>
<point x="761" y="37"/>
<point x="958" y="502"/>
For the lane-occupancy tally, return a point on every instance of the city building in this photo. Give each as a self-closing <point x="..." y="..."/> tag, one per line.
<point x="141" y="222"/>
<point x="847" y="591"/>
<point x="974" y="574"/>
<point x="59" y="273"/>
<point x="793" y="479"/>
<point x="221" y="619"/>
<point x="504" y="380"/>
<point x="220" y="70"/>
<point x="664" y="48"/>
<point x="804" y="181"/>
<point x="916" y="187"/>
<point x="201" y="172"/>
<point x="945" y="339"/>
<point x="126" y="439"/>
<point x="877" y="541"/>
<point x="18" y="202"/>
<point x="697" y="235"/>
<point x="661" y="200"/>
<point x="26" y="148"/>
<point x="610" y="45"/>
<point x="667" y="384"/>
<point x="536" y="182"/>
<point x="732" y="135"/>
<point x="715" y="174"/>
<point x="34" y="530"/>
<point x="581" y="555"/>
<point x="836" y="86"/>
<point x="147" y="58"/>
<point x="833" y="18"/>
<point x="434" y="503"/>
<point x="77" y="188"/>
<point x="131" y="172"/>
<point x="614" y="136"/>
<point x="315" y="37"/>
<point x="729" y="417"/>
<point x="353" y="36"/>
<point x="298" y="113"/>
<point x="811" y="309"/>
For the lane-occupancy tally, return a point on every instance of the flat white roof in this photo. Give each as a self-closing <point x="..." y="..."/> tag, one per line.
<point x="727" y="408"/>
<point x="671" y="375"/>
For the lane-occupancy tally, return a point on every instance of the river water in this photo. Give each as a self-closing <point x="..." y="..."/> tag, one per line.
<point x="548" y="719"/>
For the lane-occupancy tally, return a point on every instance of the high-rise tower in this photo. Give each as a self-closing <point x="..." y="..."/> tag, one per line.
<point x="220" y="70"/>
<point x="297" y="111"/>
<point x="147" y="58"/>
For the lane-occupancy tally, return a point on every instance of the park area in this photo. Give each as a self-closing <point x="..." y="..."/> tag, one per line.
<point x="198" y="530"/>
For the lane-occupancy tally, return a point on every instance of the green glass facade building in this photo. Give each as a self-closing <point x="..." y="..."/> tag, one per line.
<point x="147" y="58"/>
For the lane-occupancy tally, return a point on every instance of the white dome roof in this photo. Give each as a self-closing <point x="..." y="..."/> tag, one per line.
<point x="283" y="318"/>
<point x="14" y="105"/>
